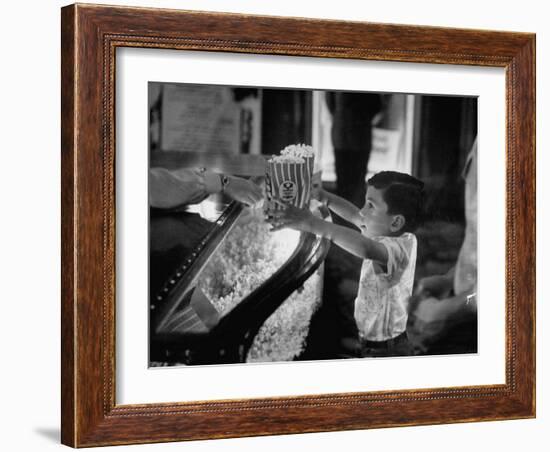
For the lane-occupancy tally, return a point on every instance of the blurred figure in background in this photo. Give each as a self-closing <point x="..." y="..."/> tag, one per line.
<point x="443" y="317"/>
<point x="352" y="115"/>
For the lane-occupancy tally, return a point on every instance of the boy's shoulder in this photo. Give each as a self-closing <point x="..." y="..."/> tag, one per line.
<point x="404" y="244"/>
<point x="406" y="237"/>
<point x="408" y="241"/>
<point x="401" y="253"/>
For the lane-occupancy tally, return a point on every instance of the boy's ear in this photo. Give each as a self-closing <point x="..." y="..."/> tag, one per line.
<point x="397" y="223"/>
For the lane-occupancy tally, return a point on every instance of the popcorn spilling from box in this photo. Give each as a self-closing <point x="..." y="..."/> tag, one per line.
<point x="298" y="150"/>
<point x="289" y="176"/>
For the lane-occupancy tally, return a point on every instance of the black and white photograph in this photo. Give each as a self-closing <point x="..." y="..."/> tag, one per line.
<point x="275" y="226"/>
<point x="302" y="225"/>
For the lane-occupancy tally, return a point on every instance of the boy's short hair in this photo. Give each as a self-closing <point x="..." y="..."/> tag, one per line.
<point x="404" y="195"/>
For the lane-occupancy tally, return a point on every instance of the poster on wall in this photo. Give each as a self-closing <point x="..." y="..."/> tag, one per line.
<point x="198" y="118"/>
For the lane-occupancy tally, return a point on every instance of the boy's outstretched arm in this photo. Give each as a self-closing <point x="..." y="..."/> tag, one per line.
<point x="340" y="206"/>
<point x="346" y="238"/>
<point x="350" y="240"/>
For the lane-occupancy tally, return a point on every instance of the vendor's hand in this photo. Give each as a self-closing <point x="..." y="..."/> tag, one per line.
<point x="244" y="191"/>
<point x="438" y="286"/>
<point x="289" y="217"/>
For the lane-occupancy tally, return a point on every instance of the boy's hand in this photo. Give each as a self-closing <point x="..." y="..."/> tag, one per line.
<point x="289" y="217"/>
<point x="317" y="191"/>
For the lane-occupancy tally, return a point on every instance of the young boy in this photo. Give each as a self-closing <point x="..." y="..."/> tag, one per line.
<point x="385" y="241"/>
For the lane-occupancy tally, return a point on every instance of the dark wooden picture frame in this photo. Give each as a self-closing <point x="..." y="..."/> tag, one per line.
<point x="90" y="36"/>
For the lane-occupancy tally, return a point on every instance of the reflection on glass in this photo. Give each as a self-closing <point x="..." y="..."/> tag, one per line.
<point x="175" y="233"/>
<point x="248" y="257"/>
<point x="210" y="209"/>
<point x="283" y="335"/>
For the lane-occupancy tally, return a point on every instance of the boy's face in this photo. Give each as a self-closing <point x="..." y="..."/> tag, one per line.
<point x="376" y="220"/>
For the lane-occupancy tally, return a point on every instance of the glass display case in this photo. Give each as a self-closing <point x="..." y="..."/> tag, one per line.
<point x="225" y="289"/>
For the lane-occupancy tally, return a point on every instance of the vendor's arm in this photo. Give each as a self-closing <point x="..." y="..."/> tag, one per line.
<point x="173" y="188"/>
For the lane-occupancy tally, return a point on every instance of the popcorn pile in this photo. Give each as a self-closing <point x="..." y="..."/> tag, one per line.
<point x="286" y="159"/>
<point x="289" y="176"/>
<point x="298" y="151"/>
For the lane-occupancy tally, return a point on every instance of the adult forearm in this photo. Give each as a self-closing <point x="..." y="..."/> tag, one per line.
<point x="173" y="188"/>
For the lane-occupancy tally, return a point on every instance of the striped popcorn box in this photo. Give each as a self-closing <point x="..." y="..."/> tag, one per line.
<point x="288" y="179"/>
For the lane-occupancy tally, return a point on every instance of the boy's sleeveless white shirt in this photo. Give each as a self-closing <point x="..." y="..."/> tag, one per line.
<point x="382" y="298"/>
